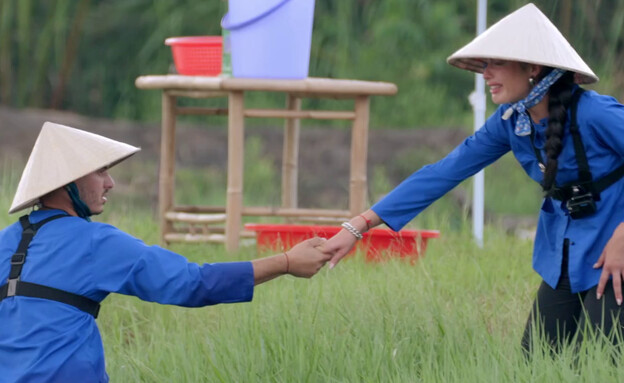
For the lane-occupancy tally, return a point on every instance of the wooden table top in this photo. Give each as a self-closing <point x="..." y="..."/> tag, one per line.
<point x="307" y="86"/>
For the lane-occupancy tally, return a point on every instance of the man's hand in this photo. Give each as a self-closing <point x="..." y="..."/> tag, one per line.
<point x="303" y="260"/>
<point x="307" y="258"/>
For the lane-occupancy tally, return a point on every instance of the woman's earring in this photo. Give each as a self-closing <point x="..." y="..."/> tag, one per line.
<point x="531" y="82"/>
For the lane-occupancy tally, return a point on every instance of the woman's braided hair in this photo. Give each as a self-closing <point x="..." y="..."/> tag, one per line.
<point x="559" y="98"/>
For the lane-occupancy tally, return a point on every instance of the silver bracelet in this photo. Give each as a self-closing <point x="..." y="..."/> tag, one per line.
<point x="351" y="229"/>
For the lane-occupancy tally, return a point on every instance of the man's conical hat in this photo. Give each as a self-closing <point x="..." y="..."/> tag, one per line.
<point x="525" y="35"/>
<point x="60" y="156"/>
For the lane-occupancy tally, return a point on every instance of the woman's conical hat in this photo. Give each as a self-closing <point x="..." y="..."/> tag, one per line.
<point x="60" y="156"/>
<point x="525" y="35"/>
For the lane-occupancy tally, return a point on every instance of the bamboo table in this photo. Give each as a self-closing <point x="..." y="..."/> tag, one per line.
<point x="174" y="86"/>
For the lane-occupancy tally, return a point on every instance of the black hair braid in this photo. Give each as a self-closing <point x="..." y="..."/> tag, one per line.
<point x="559" y="98"/>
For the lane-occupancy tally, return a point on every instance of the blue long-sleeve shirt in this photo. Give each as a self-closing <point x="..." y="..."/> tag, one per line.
<point x="601" y="123"/>
<point x="47" y="341"/>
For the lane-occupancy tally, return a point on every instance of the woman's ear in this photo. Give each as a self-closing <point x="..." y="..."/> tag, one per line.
<point x="535" y="70"/>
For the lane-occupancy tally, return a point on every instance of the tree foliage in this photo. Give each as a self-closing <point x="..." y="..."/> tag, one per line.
<point x="84" y="55"/>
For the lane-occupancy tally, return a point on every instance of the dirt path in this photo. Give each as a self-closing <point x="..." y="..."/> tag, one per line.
<point x="323" y="151"/>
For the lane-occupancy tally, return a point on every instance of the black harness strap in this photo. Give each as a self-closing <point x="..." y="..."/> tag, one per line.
<point x="579" y="150"/>
<point x="565" y="192"/>
<point x="609" y="179"/>
<point x="28" y="232"/>
<point x="16" y="287"/>
<point x="33" y="290"/>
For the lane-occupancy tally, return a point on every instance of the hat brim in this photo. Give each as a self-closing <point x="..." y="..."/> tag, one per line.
<point x="476" y="65"/>
<point x="62" y="155"/>
<point x="528" y="36"/>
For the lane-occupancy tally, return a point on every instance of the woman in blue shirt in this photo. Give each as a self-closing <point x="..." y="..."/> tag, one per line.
<point x="60" y="266"/>
<point x="532" y="73"/>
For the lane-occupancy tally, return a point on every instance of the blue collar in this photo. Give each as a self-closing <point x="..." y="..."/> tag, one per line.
<point x="80" y="207"/>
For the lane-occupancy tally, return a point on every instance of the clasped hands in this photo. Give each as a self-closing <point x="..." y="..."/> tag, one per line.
<point x="308" y="257"/>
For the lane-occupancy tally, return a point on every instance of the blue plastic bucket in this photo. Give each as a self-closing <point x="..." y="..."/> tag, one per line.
<point x="270" y="38"/>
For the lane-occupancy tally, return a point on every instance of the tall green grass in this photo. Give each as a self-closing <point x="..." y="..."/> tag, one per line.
<point x="457" y="315"/>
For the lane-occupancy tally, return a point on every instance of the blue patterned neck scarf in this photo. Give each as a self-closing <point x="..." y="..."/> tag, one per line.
<point x="80" y="207"/>
<point x="523" y="125"/>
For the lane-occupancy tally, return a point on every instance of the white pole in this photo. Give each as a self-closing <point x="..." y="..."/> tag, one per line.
<point x="477" y="99"/>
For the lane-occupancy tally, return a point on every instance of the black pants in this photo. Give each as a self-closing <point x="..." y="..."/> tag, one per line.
<point x="561" y="314"/>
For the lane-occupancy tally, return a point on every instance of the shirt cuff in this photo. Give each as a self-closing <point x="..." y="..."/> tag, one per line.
<point x="228" y="282"/>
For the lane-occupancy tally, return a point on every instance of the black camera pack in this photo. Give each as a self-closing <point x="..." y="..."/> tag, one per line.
<point x="580" y="196"/>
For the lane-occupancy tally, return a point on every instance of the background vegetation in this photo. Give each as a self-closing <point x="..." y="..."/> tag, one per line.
<point x="83" y="55"/>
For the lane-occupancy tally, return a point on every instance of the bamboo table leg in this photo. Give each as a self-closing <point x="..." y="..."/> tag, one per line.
<point x="359" y="152"/>
<point x="236" y="146"/>
<point x="167" y="163"/>
<point x="290" y="160"/>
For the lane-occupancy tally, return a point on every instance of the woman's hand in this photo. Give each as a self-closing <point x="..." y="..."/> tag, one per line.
<point x="612" y="262"/>
<point x="338" y="246"/>
<point x="306" y="258"/>
<point x="341" y="243"/>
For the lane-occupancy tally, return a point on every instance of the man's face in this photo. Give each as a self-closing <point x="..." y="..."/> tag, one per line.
<point x="93" y="188"/>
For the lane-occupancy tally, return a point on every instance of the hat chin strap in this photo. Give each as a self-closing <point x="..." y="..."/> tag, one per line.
<point x="80" y="207"/>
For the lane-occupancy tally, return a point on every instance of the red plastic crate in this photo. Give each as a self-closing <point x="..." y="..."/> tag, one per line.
<point x="378" y="244"/>
<point x="197" y="55"/>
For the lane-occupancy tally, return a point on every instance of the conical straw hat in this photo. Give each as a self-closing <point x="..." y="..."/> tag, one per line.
<point x="60" y="156"/>
<point x="525" y="35"/>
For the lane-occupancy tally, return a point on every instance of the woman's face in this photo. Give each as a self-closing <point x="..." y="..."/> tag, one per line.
<point x="508" y="80"/>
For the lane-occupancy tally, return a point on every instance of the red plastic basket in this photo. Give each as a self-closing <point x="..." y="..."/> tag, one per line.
<point x="378" y="244"/>
<point x="197" y="55"/>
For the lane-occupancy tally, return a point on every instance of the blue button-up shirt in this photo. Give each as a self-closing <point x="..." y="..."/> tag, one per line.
<point x="48" y="341"/>
<point x="601" y="123"/>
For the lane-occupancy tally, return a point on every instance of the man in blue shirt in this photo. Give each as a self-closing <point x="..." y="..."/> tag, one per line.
<point x="568" y="140"/>
<point x="60" y="265"/>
